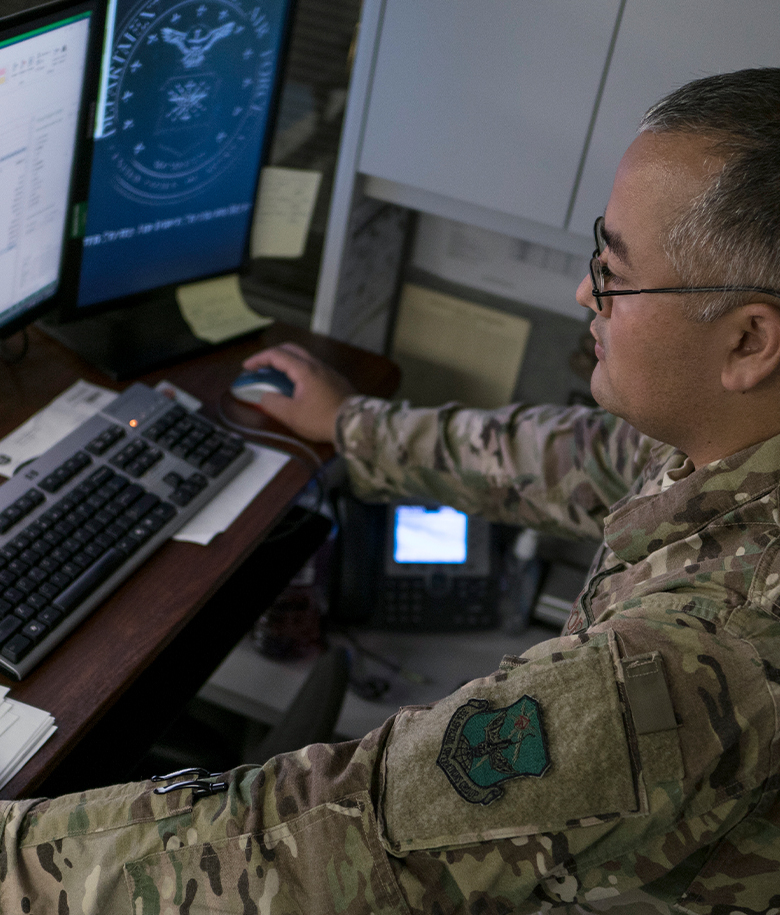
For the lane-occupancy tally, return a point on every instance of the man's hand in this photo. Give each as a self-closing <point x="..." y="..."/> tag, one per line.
<point x="319" y="391"/>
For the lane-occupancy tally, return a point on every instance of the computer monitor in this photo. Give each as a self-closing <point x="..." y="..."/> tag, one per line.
<point x="44" y="74"/>
<point x="187" y="98"/>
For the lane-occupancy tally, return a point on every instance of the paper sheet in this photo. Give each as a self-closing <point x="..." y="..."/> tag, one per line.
<point x="218" y="514"/>
<point x="285" y="205"/>
<point x="7" y="720"/>
<point x="215" y="310"/>
<point x="452" y="349"/>
<point x="25" y="730"/>
<point x="51" y="424"/>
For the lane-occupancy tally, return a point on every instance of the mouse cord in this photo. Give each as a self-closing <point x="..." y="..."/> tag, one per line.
<point x="307" y="456"/>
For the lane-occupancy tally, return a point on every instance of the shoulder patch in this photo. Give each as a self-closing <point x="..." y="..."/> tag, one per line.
<point x="484" y="746"/>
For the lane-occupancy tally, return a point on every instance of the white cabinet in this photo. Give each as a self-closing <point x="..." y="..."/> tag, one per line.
<point x="663" y="44"/>
<point x="487" y="103"/>
<point x="512" y="115"/>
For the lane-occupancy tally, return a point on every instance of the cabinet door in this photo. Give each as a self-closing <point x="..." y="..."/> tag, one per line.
<point x="487" y="102"/>
<point x="660" y="46"/>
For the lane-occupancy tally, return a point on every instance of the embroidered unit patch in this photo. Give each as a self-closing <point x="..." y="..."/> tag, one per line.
<point x="484" y="746"/>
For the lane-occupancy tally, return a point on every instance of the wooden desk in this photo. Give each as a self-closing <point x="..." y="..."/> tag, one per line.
<point x="117" y="679"/>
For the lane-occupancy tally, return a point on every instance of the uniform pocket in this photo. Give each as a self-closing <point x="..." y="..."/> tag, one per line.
<point x="741" y="875"/>
<point x="544" y="747"/>
<point x="326" y="861"/>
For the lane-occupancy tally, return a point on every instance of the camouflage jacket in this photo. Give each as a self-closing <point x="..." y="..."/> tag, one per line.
<point x="683" y="598"/>
<point x="629" y="765"/>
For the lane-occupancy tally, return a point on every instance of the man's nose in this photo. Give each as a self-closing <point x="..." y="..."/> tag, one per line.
<point x="585" y="295"/>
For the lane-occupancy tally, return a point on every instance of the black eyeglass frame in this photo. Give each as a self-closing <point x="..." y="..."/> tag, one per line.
<point x="597" y="277"/>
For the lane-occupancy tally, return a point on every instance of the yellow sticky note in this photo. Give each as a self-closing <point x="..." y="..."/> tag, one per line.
<point x="215" y="310"/>
<point x="285" y="205"/>
<point x="453" y="349"/>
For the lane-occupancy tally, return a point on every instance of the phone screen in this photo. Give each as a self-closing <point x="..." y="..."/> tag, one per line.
<point x="425" y="535"/>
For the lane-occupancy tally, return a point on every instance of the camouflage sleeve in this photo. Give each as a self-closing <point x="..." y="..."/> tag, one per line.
<point x="631" y="765"/>
<point x="298" y="835"/>
<point x="556" y="469"/>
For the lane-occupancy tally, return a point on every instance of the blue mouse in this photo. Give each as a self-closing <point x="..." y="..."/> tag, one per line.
<point x="250" y="386"/>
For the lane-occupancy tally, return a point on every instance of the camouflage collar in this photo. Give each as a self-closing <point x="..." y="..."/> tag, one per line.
<point x="651" y="519"/>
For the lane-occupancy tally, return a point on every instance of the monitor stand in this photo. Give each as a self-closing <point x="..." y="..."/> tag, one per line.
<point x="129" y="342"/>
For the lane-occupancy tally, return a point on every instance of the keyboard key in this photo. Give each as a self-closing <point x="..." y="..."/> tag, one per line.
<point x="9" y="626"/>
<point x="26" y="585"/>
<point x="35" y="630"/>
<point x="101" y="443"/>
<point x="9" y="552"/>
<point x="16" y="648"/>
<point x="13" y="596"/>
<point x="48" y="590"/>
<point x="94" y="549"/>
<point x="36" y="601"/>
<point x="65" y="472"/>
<point x="25" y="611"/>
<point x="81" y="560"/>
<point x="50" y="616"/>
<point x="91" y="579"/>
<point x="142" y="506"/>
<point x="217" y="463"/>
<point x="129" y="495"/>
<point x="53" y="538"/>
<point x="7" y="578"/>
<point x="38" y="574"/>
<point x="60" y="580"/>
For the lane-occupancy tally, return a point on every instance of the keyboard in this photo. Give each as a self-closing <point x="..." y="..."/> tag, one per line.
<point x="80" y="518"/>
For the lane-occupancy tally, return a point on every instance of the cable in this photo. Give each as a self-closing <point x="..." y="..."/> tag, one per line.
<point x="309" y="458"/>
<point x="406" y="673"/>
<point x="271" y="436"/>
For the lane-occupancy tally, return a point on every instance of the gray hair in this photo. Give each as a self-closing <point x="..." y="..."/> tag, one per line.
<point x="731" y="233"/>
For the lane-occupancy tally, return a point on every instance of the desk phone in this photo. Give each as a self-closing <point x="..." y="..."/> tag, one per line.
<point x="420" y="568"/>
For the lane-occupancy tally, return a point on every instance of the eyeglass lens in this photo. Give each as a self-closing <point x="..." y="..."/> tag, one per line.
<point x="598" y="231"/>
<point x="596" y="267"/>
<point x="596" y="275"/>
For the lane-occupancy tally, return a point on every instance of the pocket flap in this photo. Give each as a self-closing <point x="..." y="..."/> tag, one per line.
<point x="540" y="748"/>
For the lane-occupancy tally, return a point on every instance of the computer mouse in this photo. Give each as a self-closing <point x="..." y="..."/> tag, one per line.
<point x="250" y="386"/>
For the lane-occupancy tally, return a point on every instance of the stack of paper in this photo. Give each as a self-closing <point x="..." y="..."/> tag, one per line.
<point x="23" y="731"/>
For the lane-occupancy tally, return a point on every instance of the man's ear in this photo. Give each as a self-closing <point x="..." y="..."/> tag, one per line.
<point x="754" y="352"/>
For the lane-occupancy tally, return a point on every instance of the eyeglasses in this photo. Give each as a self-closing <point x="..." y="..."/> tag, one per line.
<point x="599" y="273"/>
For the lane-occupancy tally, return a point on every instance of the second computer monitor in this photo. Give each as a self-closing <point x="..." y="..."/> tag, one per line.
<point x="187" y="92"/>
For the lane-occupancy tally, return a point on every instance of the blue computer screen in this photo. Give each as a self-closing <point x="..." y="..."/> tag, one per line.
<point x="186" y="95"/>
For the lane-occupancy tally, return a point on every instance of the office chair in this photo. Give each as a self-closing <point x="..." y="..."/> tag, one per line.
<point x="312" y="715"/>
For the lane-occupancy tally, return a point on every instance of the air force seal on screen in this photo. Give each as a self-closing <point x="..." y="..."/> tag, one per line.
<point x="484" y="746"/>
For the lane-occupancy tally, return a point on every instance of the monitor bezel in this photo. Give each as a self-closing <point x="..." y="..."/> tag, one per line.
<point x="32" y="15"/>
<point x="67" y="311"/>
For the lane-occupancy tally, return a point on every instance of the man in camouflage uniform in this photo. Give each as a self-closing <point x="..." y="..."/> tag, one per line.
<point x="631" y="765"/>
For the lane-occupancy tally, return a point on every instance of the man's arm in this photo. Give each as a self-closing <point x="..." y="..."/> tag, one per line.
<point x="554" y="468"/>
<point x="557" y="469"/>
<point x="538" y="784"/>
